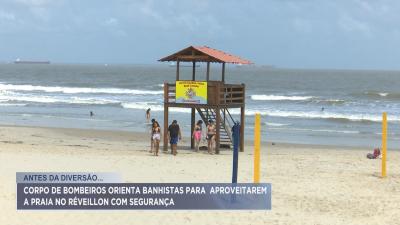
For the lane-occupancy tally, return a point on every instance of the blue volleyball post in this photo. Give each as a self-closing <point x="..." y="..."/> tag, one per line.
<point x="236" y="140"/>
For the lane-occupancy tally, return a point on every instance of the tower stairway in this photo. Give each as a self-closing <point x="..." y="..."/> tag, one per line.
<point x="225" y="125"/>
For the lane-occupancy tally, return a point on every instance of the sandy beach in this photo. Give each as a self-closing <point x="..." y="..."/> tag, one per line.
<point x="311" y="184"/>
<point x="308" y="89"/>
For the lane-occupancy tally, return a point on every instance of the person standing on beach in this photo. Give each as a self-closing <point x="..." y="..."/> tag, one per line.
<point x="174" y="135"/>
<point x="156" y="136"/>
<point x="148" y="115"/>
<point x="197" y="133"/>
<point x="210" y="136"/>
<point x="151" y="135"/>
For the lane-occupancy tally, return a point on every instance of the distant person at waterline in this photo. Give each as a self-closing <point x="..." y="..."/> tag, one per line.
<point x="91" y="114"/>
<point x="197" y="133"/>
<point x="148" y="115"/>
<point x="174" y="135"/>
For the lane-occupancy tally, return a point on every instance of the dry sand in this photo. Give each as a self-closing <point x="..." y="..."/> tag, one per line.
<point x="310" y="184"/>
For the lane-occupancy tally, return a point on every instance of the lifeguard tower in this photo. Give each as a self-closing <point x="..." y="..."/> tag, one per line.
<point x="212" y="99"/>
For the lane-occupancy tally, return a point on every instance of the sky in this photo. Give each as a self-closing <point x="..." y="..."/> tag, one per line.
<point x="337" y="34"/>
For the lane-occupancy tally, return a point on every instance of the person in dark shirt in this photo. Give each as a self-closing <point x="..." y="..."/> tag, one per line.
<point x="174" y="135"/>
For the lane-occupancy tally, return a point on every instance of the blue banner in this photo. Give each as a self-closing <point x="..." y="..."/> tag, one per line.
<point x="141" y="196"/>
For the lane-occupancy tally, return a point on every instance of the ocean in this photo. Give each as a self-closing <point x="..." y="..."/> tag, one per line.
<point x="328" y="107"/>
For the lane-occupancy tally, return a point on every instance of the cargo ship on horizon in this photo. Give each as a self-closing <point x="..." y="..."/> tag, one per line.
<point x="19" y="61"/>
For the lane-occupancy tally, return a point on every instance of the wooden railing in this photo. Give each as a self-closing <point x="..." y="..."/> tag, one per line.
<point x="218" y="93"/>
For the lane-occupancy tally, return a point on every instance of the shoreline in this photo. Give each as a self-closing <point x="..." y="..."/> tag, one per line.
<point x="126" y="135"/>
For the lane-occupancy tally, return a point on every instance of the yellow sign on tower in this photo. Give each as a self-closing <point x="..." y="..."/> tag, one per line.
<point x="191" y="92"/>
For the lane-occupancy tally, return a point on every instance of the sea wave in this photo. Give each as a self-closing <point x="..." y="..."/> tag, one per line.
<point x="21" y="98"/>
<point x="77" y="90"/>
<point x="322" y="115"/>
<point x="329" y="101"/>
<point x="279" y="98"/>
<point x="276" y="124"/>
<point x="156" y="106"/>
<point x="345" y="117"/>
<point x="11" y="98"/>
<point x="319" y="130"/>
<point x="12" y="104"/>
<point x="152" y="106"/>
<point x="377" y="95"/>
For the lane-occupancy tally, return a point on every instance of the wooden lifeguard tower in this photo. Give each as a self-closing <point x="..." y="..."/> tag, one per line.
<point x="221" y="97"/>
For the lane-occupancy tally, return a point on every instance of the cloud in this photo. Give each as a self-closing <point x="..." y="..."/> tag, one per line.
<point x="120" y="33"/>
<point x="374" y="7"/>
<point x="302" y="25"/>
<point x="41" y="13"/>
<point x="111" y="21"/>
<point x="350" y="24"/>
<point x="187" y="17"/>
<point x="260" y="29"/>
<point x="149" y="10"/>
<point x="112" y="24"/>
<point x="364" y="5"/>
<point x="39" y="9"/>
<point x="35" y="3"/>
<point x="7" y="16"/>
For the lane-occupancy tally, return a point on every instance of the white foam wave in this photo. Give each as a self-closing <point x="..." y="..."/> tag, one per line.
<point x="8" y="96"/>
<point x="276" y="124"/>
<point x="331" y="100"/>
<point x="142" y="105"/>
<point x="276" y="113"/>
<point x="375" y="94"/>
<point x="152" y="106"/>
<point x="12" y="104"/>
<point x="279" y="98"/>
<point x="76" y="100"/>
<point x="39" y="99"/>
<point x="77" y="90"/>
<point x="320" y="130"/>
<point x="321" y="115"/>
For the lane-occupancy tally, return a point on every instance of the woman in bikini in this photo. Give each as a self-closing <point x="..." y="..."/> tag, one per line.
<point x="197" y="133"/>
<point x="210" y="136"/>
<point x="156" y="134"/>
